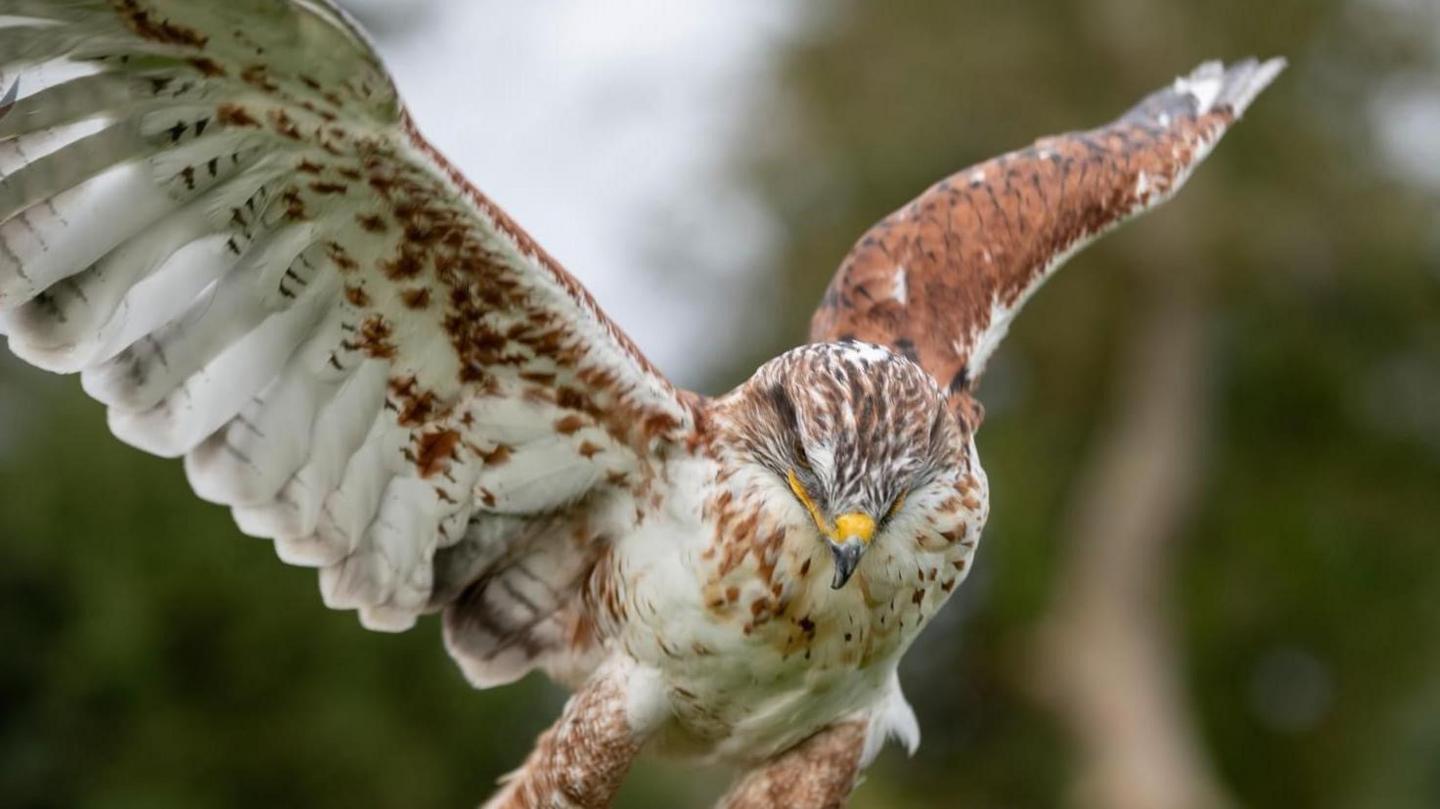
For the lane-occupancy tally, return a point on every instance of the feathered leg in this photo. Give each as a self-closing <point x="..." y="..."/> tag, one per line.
<point x="580" y="762"/>
<point x="818" y="773"/>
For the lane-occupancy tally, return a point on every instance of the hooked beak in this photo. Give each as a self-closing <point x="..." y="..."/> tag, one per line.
<point x="853" y="533"/>
<point x="847" y="558"/>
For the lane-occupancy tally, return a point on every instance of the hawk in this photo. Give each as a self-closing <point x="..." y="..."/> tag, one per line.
<point x="220" y="214"/>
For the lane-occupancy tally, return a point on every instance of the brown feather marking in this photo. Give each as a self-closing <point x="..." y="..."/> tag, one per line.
<point x="581" y="760"/>
<point x="235" y="115"/>
<point x="481" y="281"/>
<point x="569" y="425"/>
<point x="341" y="258"/>
<point x="413" y="405"/>
<point x="819" y="772"/>
<point x="258" y="76"/>
<point x="436" y="450"/>
<point x="207" y="67"/>
<point x="986" y="235"/>
<point x="294" y="205"/>
<point x="497" y="456"/>
<point x="148" y="25"/>
<point x="371" y="223"/>
<point x="375" y="338"/>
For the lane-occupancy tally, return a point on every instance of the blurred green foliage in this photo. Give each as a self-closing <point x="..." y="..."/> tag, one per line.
<point x="154" y="658"/>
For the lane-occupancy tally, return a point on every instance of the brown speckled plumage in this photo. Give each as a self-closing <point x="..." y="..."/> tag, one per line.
<point x="259" y="264"/>
<point x="580" y="762"/>
<point x="927" y="279"/>
<point x="818" y="773"/>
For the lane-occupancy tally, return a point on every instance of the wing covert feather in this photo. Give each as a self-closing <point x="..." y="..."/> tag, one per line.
<point x="940" y="279"/>
<point x="221" y="216"/>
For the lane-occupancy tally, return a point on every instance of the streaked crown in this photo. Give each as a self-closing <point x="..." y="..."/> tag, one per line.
<point x="856" y="424"/>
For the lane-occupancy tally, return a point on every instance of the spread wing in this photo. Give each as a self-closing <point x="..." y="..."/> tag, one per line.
<point x="940" y="279"/>
<point x="220" y="215"/>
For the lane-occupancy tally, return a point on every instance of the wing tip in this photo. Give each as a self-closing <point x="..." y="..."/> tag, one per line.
<point x="147" y="432"/>
<point x="389" y="619"/>
<point x="62" y="360"/>
<point x="1213" y="84"/>
<point x="1242" y="87"/>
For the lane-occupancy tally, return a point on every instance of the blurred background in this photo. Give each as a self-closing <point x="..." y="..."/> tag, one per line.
<point x="1212" y="572"/>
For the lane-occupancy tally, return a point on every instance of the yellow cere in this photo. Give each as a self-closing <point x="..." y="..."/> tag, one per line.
<point x="861" y="526"/>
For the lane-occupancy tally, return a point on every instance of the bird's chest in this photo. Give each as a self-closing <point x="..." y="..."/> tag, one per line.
<point x="765" y="652"/>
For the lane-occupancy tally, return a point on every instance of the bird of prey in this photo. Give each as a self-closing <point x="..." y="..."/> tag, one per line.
<point x="220" y="214"/>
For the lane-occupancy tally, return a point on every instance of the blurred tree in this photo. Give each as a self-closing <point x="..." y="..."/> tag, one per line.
<point x="1105" y="656"/>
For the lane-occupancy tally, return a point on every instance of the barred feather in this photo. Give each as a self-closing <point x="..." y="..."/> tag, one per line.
<point x="221" y="217"/>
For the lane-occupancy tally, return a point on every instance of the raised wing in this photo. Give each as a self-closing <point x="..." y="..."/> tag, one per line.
<point x="220" y="214"/>
<point x="940" y="279"/>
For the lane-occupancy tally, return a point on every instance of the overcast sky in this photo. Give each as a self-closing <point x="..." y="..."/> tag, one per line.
<point x="604" y="129"/>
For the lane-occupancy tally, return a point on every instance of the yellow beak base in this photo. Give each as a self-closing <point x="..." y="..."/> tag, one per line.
<point x="860" y="526"/>
<point x="854" y="524"/>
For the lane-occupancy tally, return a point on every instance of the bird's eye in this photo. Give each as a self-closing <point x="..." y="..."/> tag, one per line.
<point x="797" y="452"/>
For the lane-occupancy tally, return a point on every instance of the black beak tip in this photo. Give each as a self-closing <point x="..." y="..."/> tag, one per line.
<point x="847" y="558"/>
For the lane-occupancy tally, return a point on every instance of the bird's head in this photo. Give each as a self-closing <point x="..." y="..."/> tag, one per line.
<point x="851" y="432"/>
